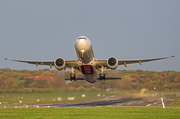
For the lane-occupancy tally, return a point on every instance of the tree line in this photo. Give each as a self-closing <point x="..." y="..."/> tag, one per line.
<point x="18" y="81"/>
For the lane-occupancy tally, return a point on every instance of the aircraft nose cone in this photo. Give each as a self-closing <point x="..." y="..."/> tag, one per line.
<point x="81" y="44"/>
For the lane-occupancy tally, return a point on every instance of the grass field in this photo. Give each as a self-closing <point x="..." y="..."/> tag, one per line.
<point x="91" y="113"/>
<point x="176" y="102"/>
<point x="170" y="112"/>
<point x="42" y="98"/>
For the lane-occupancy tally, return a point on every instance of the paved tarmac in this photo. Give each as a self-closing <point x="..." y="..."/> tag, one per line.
<point x="116" y="102"/>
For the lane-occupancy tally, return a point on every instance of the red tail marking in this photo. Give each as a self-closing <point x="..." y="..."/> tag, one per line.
<point x="87" y="69"/>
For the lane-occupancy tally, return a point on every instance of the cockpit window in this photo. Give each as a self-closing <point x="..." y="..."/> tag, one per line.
<point x="82" y="38"/>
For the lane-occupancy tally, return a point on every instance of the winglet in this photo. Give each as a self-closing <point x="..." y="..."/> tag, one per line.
<point x="172" y="56"/>
<point x="5" y="58"/>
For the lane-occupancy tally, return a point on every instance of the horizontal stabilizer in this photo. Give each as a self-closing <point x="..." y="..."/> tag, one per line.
<point x="111" y="78"/>
<point x="108" y="78"/>
<point x="76" y="79"/>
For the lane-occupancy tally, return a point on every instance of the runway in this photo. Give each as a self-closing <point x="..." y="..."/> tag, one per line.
<point x="115" y="102"/>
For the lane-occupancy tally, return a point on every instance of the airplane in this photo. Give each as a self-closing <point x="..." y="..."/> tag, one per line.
<point x="91" y="68"/>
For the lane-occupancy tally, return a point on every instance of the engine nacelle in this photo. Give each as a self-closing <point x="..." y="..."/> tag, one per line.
<point x="59" y="63"/>
<point x="112" y="63"/>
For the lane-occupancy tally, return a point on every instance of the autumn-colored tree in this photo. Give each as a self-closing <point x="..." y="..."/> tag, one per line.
<point x="6" y="80"/>
<point x="47" y="73"/>
<point x="165" y="80"/>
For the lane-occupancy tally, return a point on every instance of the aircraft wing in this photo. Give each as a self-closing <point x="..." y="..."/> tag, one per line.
<point x="73" y="63"/>
<point x="69" y="64"/>
<point x="128" y="62"/>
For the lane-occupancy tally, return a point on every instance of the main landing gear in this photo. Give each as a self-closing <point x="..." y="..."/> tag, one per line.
<point x="101" y="74"/>
<point x="72" y="77"/>
<point x="102" y="77"/>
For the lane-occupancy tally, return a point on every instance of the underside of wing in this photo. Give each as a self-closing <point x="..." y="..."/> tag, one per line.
<point x="100" y="63"/>
<point x="48" y="63"/>
<point x="69" y="64"/>
<point x="128" y="62"/>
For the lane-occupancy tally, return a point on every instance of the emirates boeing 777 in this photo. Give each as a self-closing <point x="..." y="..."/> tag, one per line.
<point x="91" y="68"/>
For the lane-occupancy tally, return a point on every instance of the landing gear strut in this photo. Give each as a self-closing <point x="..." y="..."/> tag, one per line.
<point x="101" y="74"/>
<point x="72" y="75"/>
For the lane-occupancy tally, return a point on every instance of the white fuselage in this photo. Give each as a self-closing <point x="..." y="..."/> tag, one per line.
<point x="86" y="57"/>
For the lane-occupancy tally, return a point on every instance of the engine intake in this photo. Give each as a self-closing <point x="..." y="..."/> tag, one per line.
<point x="112" y="63"/>
<point x="59" y="63"/>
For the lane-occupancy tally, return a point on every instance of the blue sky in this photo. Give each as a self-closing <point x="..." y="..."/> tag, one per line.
<point x="126" y="29"/>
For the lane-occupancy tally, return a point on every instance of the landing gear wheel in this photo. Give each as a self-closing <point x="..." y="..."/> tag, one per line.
<point x="102" y="77"/>
<point x="72" y="77"/>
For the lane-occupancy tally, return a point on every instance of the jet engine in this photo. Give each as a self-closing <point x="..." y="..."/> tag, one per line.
<point x="112" y="63"/>
<point x="59" y="63"/>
